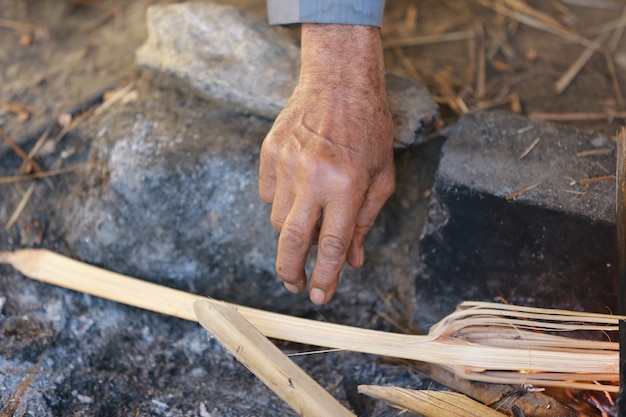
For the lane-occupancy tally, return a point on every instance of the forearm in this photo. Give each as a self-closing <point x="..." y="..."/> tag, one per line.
<point x="329" y="155"/>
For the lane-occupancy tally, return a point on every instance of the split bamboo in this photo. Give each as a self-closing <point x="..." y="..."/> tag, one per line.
<point x="266" y="361"/>
<point x="430" y="403"/>
<point x="486" y="342"/>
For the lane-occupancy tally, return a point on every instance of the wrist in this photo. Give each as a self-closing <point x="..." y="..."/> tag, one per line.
<point x="342" y="56"/>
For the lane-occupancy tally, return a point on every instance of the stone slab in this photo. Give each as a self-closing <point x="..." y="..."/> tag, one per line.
<point x="552" y="246"/>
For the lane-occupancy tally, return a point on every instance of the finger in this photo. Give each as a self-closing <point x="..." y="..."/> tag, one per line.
<point x="283" y="201"/>
<point x="334" y="241"/>
<point x="378" y="193"/>
<point x="294" y="243"/>
<point x="267" y="172"/>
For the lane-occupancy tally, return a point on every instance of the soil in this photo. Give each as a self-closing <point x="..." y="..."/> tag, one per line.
<point x="60" y="57"/>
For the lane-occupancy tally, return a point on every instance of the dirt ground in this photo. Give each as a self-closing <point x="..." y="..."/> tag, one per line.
<point x="58" y="58"/>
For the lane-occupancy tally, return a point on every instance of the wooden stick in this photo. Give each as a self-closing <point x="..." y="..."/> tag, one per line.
<point x="117" y="96"/>
<point x="266" y="361"/>
<point x="591" y="152"/>
<point x="522" y="7"/>
<point x="18" y="26"/>
<point x="533" y="22"/>
<point x="529" y="148"/>
<point x="43" y="174"/>
<point x="20" y="152"/>
<point x="575" y="117"/>
<point x="481" y="63"/>
<point x="610" y="64"/>
<point x="569" y="75"/>
<point x="501" y="397"/>
<point x="430" y="403"/>
<point x="595" y="180"/>
<point x="427" y="39"/>
<point x="457" y="341"/>
<point x="20" y="207"/>
<point x="445" y="87"/>
<point x="596" y="4"/>
<point x="523" y="191"/>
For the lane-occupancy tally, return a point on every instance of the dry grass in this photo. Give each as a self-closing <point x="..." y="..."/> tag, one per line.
<point x="494" y="54"/>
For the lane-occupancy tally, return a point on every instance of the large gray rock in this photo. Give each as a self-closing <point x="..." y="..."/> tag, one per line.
<point x="223" y="53"/>
<point x="227" y="55"/>
<point x="552" y="246"/>
<point x="172" y="196"/>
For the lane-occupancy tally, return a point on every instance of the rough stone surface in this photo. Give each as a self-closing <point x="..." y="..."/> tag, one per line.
<point x="552" y="246"/>
<point x="413" y="109"/>
<point x="172" y="195"/>
<point x="224" y="53"/>
<point x="227" y="55"/>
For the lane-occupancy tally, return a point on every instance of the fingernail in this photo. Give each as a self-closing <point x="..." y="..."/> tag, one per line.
<point x="318" y="296"/>
<point x="361" y="257"/>
<point x="292" y="288"/>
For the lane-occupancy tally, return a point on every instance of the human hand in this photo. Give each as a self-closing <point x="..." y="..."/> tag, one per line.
<point x="327" y="163"/>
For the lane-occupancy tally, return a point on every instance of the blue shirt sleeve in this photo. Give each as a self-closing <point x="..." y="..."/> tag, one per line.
<point x="347" y="12"/>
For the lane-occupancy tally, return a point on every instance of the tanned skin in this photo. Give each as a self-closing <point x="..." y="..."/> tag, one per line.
<point x="327" y="163"/>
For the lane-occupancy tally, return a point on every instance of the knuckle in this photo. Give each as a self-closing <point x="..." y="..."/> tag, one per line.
<point x="294" y="238"/>
<point x="387" y="183"/>
<point x="332" y="247"/>
<point x="361" y="229"/>
<point x="266" y="193"/>
<point x="277" y="222"/>
<point x="390" y="184"/>
<point x="268" y="153"/>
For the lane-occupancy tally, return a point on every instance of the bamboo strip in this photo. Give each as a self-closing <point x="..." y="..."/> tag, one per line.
<point x="443" y="346"/>
<point x="527" y="379"/>
<point x="266" y="361"/>
<point x="430" y="403"/>
<point x="541" y="312"/>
